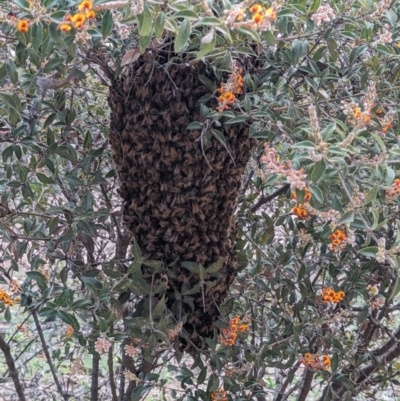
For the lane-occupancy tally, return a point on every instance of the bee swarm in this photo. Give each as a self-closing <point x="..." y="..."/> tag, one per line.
<point x="175" y="205"/>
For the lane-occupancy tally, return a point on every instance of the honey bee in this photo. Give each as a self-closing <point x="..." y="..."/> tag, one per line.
<point x="195" y="208"/>
<point x="166" y="214"/>
<point x="187" y="256"/>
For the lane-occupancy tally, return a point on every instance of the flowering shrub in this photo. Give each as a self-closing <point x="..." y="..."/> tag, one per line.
<point x="316" y="281"/>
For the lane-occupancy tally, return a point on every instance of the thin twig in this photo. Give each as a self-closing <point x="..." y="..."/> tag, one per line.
<point x="113" y="387"/>
<point x="94" y="389"/>
<point x="265" y="199"/>
<point x="48" y="358"/>
<point x="11" y="367"/>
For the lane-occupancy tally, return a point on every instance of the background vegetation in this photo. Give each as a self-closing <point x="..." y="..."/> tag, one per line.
<point x="313" y="312"/>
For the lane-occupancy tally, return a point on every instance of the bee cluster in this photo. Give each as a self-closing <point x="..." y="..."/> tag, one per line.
<point x="179" y="202"/>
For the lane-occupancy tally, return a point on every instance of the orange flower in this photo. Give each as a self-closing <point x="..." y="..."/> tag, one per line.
<point x="219" y="395"/>
<point x="70" y="331"/>
<point x="300" y="212"/>
<point x="78" y="20"/>
<point x="85" y="5"/>
<point x="23" y="25"/>
<point x="240" y="16"/>
<point x="270" y="13"/>
<point x="234" y="320"/>
<point x="366" y="119"/>
<point x="341" y="295"/>
<point x="243" y="328"/>
<point x="326" y="361"/>
<point x="222" y="98"/>
<point x="65" y="27"/>
<point x="307" y="195"/>
<point x="387" y="127"/>
<point x="230" y="97"/>
<point x="91" y="14"/>
<point x="5" y="298"/>
<point x="357" y="112"/>
<point x="258" y="18"/>
<point x="256" y="9"/>
<point x="234" y="327"/>
<point x="233" y="336"/>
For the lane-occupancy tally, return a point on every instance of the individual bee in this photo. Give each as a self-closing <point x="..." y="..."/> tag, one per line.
<point x="187" y="256"/>
<point x="166" y="214"/>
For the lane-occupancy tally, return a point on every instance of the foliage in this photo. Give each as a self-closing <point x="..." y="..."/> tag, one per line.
<point x="318" y="232"/>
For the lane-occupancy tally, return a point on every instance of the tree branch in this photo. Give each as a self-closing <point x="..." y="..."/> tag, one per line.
<point x="265" y="199"/>
<point x="94" y="389"/>
<point x="48" y="358"/>
<point x="113" y="387"/>
<point x="306" y="385"/>
<point x="11" y="367"/>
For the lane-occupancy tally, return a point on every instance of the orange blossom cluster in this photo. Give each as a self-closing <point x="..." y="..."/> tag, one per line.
<point x="394" y="190"/>
<point x="229" y="90"/>
<point x="299" y="210"/>
<point x="4" y="297"/>
<point x="69" y="332"/>
<point x="228" y="336"/>
<point x="330" y="295"/>
<point x="219" y="395"/>
<point x="337" y="239"/>
<point x="78" y="20"/>
<point x="256" y="17"/>
<point x="315" y="362"/>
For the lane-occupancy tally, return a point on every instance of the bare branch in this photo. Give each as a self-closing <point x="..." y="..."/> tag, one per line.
<point x="11" y="367"/>
<point x="94" y="389"/>
<point x="265" y="199"/>
<point x="48" y="358"/>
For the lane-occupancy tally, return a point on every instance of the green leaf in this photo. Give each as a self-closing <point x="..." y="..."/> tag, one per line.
<point x="22" y="4"/>
<point x="304" y="144"/>
<point x="44" y="179"/>
<point x="208" y="21"/>
<point x="316" y="193"/>
<point x="362" y="315"/>
<point x="146" y="22"/>
<point x="7" y="315"/>
<point x="36" y="35"/>
<point x="216" y="266"/>
<point x="92" y="284"/>
<point x="315" y="5"/>
<point x="202" y="375"/>
<point x="69" y="319"/>
<point x="7" y="152"/>
<point x="159" y="24"/>
<point x="395" y="290"/>
<point x="347" y="217"/>
<point x="370" y="251"/>
<point x="190" y="15"/>
<point x="318" y="171"/>
<point x="9" y="101"/>
<point x="159" y="308"/>
<point x="252" y="34"/>
<point x="183" y="35"/>
<point x="191" y="266"/>
<point x="202" y="273"/>
<point x="194" y="125"/>
<point x="207" y="43"/>
<point x="236" y="120"/>
<point x="106" y="24"/>
<point x="379" y="142"/>
<point x="371" y="196"/>
<point x="213" y="383"/>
